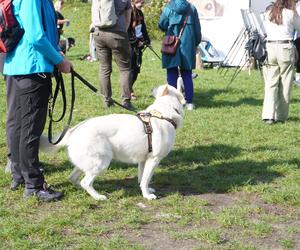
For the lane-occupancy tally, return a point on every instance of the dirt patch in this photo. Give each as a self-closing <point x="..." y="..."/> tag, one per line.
<point x="155" y="235"/>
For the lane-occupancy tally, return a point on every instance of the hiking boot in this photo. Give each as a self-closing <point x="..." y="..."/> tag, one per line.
<point x="45" y="193"/>
<point x="15" y="185"/>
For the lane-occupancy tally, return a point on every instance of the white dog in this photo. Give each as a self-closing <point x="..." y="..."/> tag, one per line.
<point x="93" y="143"/>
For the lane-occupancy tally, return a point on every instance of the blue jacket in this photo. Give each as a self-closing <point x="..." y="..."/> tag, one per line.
<point x="37" y="51"/>
<point x="171" y="21"/>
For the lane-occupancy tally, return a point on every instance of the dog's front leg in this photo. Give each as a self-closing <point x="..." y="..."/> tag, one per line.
<point x="146" y="178"/>
<point x="140" y="171"/>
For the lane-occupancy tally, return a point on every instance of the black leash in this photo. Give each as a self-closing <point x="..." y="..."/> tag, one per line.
<point x="60" y="86"/>
<point x="88" y="84"/>
<point x="150" y="47"/>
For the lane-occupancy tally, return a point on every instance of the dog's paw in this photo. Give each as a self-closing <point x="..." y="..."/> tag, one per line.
<point x="100" y="197"/>
<point x="151" y="190"/>
<point x="150" y="197"/>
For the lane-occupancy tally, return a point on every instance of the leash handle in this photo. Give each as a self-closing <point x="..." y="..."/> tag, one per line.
<point x="59" y="78"/>
<point x="59" y="86"/>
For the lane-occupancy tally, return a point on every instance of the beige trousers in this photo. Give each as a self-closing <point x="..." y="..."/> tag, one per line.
<point x="278" y="76"/>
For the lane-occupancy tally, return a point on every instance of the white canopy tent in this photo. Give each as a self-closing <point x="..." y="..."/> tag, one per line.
<point x="221" y="21"/>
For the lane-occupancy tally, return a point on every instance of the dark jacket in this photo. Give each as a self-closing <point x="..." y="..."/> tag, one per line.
<point x="137" y="20"/>
<point x="171" y="21"/>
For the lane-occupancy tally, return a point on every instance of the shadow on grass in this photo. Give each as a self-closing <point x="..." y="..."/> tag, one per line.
<point x="192" y="171"/>
<point x="216" y="178"/>
<point x="293" y="119"/>
<point x="213" y="169"/>
<point x="206" y="99"/>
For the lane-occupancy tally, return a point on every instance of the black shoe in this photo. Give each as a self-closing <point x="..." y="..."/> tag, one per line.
<point x="45" y="193"/>
<point x="269" y="121"/>
<point x="128" y="106"/>
<point x="15" y="185"/>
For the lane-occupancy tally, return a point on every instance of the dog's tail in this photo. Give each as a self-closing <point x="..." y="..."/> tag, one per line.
<point x="46" y="146"/>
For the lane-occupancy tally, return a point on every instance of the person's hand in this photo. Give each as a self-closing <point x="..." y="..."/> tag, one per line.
<point x="65" y="66"/>
<point x="140" y="44"/>
<point x="67" y="22"/>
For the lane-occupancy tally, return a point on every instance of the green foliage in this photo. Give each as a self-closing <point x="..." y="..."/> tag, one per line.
<point x="152" y="11"/>
<point x="230" y="182"/>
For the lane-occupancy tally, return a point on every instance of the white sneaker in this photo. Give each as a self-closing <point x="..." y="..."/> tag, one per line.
<point x="297" y="83"/>
<point x="189" y="106"/>
<point x="297" y="79"/>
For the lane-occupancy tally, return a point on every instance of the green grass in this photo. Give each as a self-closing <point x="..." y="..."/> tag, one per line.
<point x="231" y="182"/>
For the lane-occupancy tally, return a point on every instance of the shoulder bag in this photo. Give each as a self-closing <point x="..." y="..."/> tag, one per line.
<point x="170" y="42"/>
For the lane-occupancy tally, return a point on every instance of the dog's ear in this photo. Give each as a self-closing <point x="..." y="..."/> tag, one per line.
<point x="165" y="91"/>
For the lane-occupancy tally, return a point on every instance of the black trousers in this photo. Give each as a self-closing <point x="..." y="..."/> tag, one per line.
<point x="297" y="44"/>
<point x="136" y="63"/>
<point x="11" y="105"/>
<point x="32" y="94"/>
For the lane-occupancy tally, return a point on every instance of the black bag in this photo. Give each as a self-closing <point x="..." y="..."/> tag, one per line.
<point x="256" y="46"/>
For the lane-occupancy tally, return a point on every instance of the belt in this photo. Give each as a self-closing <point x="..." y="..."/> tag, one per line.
<point x="279" y="41"/>
<point x="42" y="75"/>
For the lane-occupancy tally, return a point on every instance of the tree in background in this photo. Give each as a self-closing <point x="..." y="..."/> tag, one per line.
<point x="152" y="11"/>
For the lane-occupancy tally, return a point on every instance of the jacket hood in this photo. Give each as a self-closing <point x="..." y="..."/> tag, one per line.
<point x="179" y="6"/>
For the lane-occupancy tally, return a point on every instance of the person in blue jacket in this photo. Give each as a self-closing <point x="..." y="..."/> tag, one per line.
<point x="31" y="64"/>
<point x="171" y="21"/>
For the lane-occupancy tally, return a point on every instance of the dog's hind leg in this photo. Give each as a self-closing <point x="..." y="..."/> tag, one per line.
<point x="87" y="184"/>
<point x="146" y="178"/>
<point x="74" y="176"/>
<point x="90" y="175"/>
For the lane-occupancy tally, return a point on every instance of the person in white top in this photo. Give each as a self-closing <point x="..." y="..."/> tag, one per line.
<point x="281" y="20"/>
<point x="297" y="44"/>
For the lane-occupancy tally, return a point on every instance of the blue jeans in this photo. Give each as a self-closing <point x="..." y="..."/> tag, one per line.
<point x="172" y="75"/>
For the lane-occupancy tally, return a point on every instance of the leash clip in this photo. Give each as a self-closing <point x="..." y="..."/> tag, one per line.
<point x="42" y="75"/>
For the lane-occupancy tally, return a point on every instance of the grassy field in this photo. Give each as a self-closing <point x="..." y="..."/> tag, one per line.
<point x="231" y="182"/>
